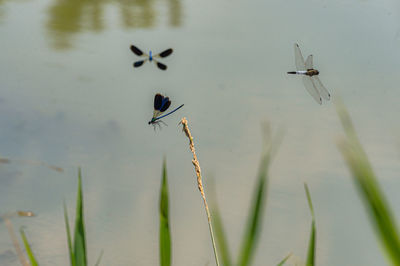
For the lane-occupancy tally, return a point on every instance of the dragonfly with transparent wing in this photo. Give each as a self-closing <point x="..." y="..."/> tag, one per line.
<point x="150" y="57"/>
<point x="310" y="76"/>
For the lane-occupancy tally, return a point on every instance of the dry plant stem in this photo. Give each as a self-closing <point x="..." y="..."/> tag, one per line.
<point x="199" y="182"/>
<point x="14" y="239"/>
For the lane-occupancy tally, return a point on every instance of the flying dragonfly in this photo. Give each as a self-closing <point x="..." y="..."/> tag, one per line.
<point x="310" y="76"/>
<point x="161" y="104"/>
<point x="150" y="57"/>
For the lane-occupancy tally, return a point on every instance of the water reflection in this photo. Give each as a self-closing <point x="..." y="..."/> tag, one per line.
<point x="1" y="10"/>
<point x="176" y="12"/>
<point x="68" y="17"/>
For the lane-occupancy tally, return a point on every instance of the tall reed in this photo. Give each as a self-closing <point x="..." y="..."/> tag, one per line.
<point x="197" y="168"/>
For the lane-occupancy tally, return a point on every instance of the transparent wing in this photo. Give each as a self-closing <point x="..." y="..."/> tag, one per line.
<point x="309" y="62"/>
<point x="156" y="113"/>
<point x="310" y="87"/>
<point x="322" y="90"/>
<point x="299" y="59"/>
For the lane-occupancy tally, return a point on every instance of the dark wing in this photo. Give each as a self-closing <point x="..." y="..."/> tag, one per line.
<point x="166" y="53"/>
<point x="165" y="105"/>
<point x="161" y="65"/>
<point x="136" y="50"/>
<point x="158" y="99"/>
<point x="138" y="63"/>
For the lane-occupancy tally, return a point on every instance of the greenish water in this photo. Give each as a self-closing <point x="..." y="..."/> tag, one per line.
<point x="70" y="97"/>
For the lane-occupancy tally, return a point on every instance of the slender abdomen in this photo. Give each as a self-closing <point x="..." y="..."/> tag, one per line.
<point x="302" y="72"/>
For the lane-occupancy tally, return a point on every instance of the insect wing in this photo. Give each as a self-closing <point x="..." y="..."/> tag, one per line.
<point x="136" y="50"/>
<point x="310" y="87"/>
<point x="299" y="59"/>
<point x="158" y="100"/>
<point x="160" y="65"/>
<point x="322" y="90"/>
<point x="165" y="105"/>
<point x="158" y="104"/>
<point x="156" y="113"/>
<point x="309" y="62"/>
<point x="139" y="63"/>
<point x="165" y="53"/>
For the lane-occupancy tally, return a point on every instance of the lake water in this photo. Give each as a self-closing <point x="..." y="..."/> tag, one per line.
<point x="70" y="97"/>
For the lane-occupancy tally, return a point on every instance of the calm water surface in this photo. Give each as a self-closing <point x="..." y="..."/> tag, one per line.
<point x="70" y="97"/>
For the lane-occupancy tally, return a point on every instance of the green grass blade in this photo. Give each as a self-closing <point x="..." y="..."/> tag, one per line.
<point x="284" y="260"/>
<point x="69" y="239"/>
<point x="255" y="216"/>
<point x="165" y="237"/>
<point x="99" y="258"/>
<point x="367" y="184"/>
<point x="220" y="236"/>
<point x="254" y="219"/>
<point x="311" y="246"/>
<point x="312" y="242"/>
<point x="310" y="205"/>
<point x="28" y="249"/>
<point x="79" y="234"/>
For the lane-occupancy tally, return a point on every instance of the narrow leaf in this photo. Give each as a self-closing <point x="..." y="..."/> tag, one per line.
<point x="221" y="240"/>
<point x="165" y="238"/>
<point x="254" y="220"/>
<point x="367" y="184"/>
<point x="28" y="249"/>
<point x="284" y="260"/>
<point x="69" y="239"/>
<point x="255" y="216"/>
<point x="220" y="236"/>
<point x="99" y="258"/>
<point x="312" y="241"/>
<point x="79" y="234"/>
